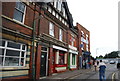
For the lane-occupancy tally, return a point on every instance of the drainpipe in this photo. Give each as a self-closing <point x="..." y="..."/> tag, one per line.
<point x="33" y="52"/>
<point x="33" y="45"/>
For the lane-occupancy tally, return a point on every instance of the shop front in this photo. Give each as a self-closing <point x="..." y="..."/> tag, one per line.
<point x="86" y="59"/>
<point x="59" y="60"/>
<point x="72" y="58"/>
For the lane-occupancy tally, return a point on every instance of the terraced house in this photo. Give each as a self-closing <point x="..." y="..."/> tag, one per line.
<point x="16" y="40"/>
<point x="37" y="39"/>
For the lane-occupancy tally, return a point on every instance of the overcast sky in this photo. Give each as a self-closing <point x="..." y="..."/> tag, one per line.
<point x="100" y="17"/>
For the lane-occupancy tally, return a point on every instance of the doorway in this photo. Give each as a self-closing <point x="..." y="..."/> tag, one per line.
<point x="44" y="61"/>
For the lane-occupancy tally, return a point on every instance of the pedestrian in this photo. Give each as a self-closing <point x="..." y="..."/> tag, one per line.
<point x="83" y="64"/>
<point x="97" y="62"/>
<point x="95" y="65"/>
<point x="102" y="68"/>
<point x="89" y="63"/>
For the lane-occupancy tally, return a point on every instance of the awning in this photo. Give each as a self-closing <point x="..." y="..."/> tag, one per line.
<point x="59" y="48"/>
<point x="72" y="51"/>
<point x="86" y="52"/>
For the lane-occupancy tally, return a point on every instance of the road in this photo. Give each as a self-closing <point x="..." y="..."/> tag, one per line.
<point x="112" y="74"/>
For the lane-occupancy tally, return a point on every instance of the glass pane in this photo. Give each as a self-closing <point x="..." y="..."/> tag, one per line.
<point x="12" y="53"/>
<point x="9" y="61"/>
<point x="1" y="51"/>
<point x="23" y="47"/>
<point x="13" y="45"/>
<point x="20" y="6"/>
<point x="22" y="62"/>
<point x="61" y="59"/>
<point x="23" y="53"/>
<point x="1" y="61"/>
<point x="18" y="15"/>
<point x="2" y="43"/>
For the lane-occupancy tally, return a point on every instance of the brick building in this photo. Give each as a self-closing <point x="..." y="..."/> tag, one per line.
<point x="73" y="51"/>
<point x="53" y="38"/>
<point x="16" y="41"/>
<point x="38" y="39"/>
<point x="83" y="46"/>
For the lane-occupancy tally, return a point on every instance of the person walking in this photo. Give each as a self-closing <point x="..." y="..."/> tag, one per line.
<point x="95" y="65"/>
<point x="102" y="68"/>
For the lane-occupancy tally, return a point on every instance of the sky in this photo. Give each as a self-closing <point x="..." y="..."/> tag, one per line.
<point x="100" y="17"/>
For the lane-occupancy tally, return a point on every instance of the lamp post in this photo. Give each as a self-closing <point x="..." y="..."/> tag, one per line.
<point x="96" y="51"/>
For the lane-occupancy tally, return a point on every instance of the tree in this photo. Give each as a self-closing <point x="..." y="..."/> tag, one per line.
<point x="113" y="54"/>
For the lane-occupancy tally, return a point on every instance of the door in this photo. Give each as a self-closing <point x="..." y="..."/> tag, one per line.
<point x="43" y="64"/>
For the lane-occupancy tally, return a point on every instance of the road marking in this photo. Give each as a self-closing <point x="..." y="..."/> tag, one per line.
<point x="113" y="76"/>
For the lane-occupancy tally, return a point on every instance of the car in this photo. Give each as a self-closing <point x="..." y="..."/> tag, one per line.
<point x="112" y="62"/>
<point x="118" y="64"/>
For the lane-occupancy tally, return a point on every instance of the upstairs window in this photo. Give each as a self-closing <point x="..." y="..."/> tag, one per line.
<point x="51" y="29"/>
<point x="19" y="12"/>
<point x="60" y="35"/>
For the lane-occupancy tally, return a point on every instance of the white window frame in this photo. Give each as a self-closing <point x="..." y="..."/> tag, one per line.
<point x="60" y="34"/>
<point x="24" y="13"/>
<point x="51" y="28"/>
<point x="14" y="49"/>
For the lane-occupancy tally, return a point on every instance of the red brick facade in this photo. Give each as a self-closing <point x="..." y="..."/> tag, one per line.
<point x="45" y="54"/>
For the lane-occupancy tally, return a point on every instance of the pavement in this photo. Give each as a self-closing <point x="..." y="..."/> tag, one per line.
<point x="68" y="74"/>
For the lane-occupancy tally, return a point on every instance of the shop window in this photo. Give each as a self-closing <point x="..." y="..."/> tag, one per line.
<point x="61" y="58"/>
<point x="12" y="54"/>
<point x="19" y="12"/>
<point x="73" y="59"/>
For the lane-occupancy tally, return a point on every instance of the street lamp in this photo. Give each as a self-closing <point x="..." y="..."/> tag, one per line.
<point x="96" y="51"/>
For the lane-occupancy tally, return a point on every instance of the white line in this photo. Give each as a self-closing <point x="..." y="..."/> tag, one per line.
<point x="113" y="76"/>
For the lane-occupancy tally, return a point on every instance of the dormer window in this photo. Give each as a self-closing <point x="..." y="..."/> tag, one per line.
<point x="59" y="2"/>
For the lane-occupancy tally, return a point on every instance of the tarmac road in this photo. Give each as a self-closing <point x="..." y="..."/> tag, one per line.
<point x="112" y="74"/>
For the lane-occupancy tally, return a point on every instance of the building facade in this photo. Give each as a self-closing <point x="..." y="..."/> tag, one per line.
<point x="52" y="39"/>
<point x="38" y="39"/>
<point x="73" y="51"/>
<point x="84" y="46"/>
<point x="16" y="40"/>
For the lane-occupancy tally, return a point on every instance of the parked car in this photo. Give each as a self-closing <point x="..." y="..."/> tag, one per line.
<point x="118" y="63"/>
<point x="112" y="62"/>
